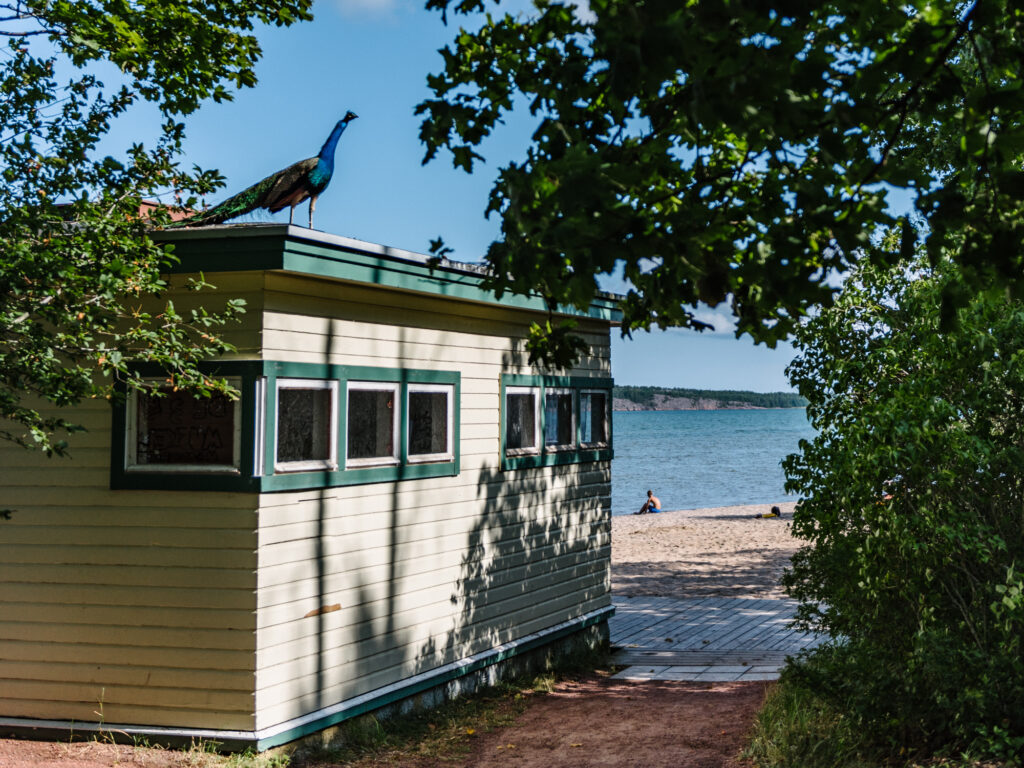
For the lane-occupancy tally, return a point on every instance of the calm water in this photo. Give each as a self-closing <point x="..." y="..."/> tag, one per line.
<point x="693" y="459"/>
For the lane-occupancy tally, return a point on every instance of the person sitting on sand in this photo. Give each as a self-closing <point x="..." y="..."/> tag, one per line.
<point x="776" y="512"/>
<point x="653" y="504"/>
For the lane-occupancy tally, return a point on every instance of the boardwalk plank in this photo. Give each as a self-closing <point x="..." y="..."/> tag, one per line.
<point x="752" y="634"/>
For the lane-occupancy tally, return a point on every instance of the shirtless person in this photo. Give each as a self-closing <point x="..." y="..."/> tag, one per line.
<point x="653" y="504"/>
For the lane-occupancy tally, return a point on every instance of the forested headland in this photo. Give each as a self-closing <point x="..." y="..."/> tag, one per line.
<point x="630" y="398"/>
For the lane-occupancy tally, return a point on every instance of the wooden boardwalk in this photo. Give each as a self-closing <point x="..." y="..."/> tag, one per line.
<point x="712" y="638"/>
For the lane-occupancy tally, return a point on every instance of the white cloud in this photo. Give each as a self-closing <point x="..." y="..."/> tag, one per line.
<point x="720" y="317"/>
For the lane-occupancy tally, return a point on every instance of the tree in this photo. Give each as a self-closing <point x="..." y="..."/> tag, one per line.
<point x="911" y="506"/>
<point x="739" y="151"/>
<point x="78" y="257"/>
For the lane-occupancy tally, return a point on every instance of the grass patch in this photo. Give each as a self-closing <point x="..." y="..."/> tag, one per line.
<point x="441" y="734"/>
<point x="206" y="754"/>
<point x="795" y="727"/>
<point x="429" y="737"/>
<point x="447" y="732"/>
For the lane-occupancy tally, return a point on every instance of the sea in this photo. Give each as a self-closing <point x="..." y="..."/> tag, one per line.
<point x="695" y="459"/>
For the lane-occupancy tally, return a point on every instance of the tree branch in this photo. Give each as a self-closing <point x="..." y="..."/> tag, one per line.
<point x="906" y="100"/>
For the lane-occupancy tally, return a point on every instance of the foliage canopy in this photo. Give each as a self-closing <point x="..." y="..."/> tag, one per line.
<point x="740" y="151"/>
<point x="78" y="261"/>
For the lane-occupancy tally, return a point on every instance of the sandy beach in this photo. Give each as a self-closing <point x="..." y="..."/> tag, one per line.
<point x="719" y="552"/>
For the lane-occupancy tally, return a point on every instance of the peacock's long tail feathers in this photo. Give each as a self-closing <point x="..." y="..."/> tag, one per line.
<point x="237" y="205"/>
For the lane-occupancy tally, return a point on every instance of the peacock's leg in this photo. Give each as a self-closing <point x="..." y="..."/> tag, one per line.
<point x="312" y="207"/>
<point x="291" y="214"/>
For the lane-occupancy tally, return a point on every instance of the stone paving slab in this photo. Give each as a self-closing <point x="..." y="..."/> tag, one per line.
<point x="751" y="657"/>
<point x="704" y="639"/>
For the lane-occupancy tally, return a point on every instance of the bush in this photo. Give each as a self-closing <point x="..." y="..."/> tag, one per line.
<point x="802" y="726"/>
<point x="913" y="510"/>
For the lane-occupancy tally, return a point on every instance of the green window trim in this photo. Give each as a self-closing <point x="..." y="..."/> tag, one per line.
<point x="403" y="470"/>
<point x="546" y="457"/>
<point x="259" y="426"/>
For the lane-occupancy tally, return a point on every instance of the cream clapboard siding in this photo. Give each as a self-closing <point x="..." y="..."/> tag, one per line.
<point x="245" y="332"/>
<point x="362" y="586"/>
<point x="126" y="607"/>
<point x="218" y="610"/>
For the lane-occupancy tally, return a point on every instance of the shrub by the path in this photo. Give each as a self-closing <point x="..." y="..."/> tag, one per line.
<point x="913" y="512"/>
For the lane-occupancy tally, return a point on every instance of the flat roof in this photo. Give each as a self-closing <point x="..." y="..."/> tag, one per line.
<point x="289" y="248"/>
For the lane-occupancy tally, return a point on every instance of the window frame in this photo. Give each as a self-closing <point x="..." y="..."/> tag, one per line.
<point x="256" y="424"/>
<point x="306" y="465"/>
<point x="259" y="453"/>
<point x="578" y="452"/>
<point x="607" y="420"/>
<point x="430" y="458"/>
<point x="398" y="417"/>
<point x="574" y="419"/>
<point x="538" y="445"/>
<point x="130" y="438"/>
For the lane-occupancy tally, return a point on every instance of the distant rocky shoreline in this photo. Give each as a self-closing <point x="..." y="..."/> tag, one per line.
<point x="682" y="404"/>
<point x="632" y="398"/>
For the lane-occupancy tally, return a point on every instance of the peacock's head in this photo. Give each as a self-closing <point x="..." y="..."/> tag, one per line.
<point x="350" y="115"/>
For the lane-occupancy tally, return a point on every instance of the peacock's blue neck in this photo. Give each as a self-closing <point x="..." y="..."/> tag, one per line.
<point x="326" y="155"/>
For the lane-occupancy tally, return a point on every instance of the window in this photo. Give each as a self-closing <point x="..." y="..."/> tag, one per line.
<point x="593" y="418"/>
<point x="559" y="421"/>
<point x="372" y="424"/>
<point x="551" y="420"/>
<point x="306" y="435"/>
<point x="522" y="420"/>
<point x="175" y="431"/>
<point x="430" y="422"/>
<point x="294" y="426"/>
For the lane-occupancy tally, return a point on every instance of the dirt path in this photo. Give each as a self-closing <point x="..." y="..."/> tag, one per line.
<point x="599" y="723"/>
<point x="593" y="722"/>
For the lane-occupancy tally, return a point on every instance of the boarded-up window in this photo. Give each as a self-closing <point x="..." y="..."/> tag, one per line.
<point x="559" y="426"/>
<point x="180" y="429"/>
<point x="521" y="425"/>
<point x="306" y="416"/>
<point x="593" y="418"/>
<point x="430" y="426"/>
<point x="371" y="423"/>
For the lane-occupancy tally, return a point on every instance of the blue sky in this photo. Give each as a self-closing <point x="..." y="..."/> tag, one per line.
<point x="372" y="56"/>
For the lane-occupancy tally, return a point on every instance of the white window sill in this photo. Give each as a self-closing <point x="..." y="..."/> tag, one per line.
<point x="383" y="461"/>
<point x="431" y="458"/>
<point x="304" y="466"/>
<point x="522" y="452"/>
<point x="206" y="469"/>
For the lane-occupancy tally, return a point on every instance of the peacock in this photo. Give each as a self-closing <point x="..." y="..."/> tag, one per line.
<point x="289" y="187"/>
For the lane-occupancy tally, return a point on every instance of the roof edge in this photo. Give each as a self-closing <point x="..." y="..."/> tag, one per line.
<point x="291" y="233"/>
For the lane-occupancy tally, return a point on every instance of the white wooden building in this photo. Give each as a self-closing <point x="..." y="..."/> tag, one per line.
<point x="397" y="502"/>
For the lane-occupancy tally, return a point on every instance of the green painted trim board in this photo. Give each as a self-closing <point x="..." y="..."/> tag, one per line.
<point x="305" y="252"/>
